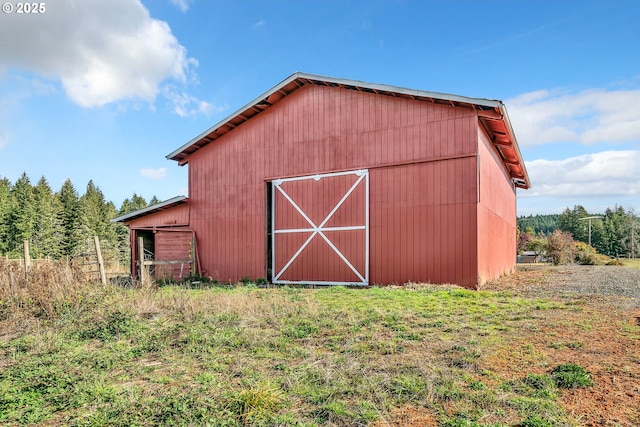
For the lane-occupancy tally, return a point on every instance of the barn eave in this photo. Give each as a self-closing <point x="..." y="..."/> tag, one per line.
<point x="167" y="204"/>
<point x="491" y="113"/>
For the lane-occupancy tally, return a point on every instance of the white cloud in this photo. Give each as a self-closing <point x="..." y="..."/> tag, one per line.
<point x="260" y="24"/>
<point x="186" y="105"/>
<point x="153" y="173"/>
<point x="588" y="117"/>
<point x="101" y="51"/>
<point x="183" y="5"/>
<point x="608" y="173"/>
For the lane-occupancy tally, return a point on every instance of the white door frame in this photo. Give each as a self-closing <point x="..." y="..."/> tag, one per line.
<point x="318" y="230"/>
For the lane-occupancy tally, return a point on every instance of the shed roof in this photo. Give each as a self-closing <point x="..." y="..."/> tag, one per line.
<point x="175" y="201"/>
<point x="491" y="113"/>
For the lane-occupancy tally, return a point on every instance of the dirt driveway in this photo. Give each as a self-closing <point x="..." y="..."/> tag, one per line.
<point x="601" y="334"/>
<point x="612" y="283"/>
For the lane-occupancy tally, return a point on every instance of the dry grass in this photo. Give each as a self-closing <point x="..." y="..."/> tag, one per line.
<point x="634" y="263"/>
<point x="47" y="289"/>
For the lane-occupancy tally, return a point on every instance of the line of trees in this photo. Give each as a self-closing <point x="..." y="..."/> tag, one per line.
<point x="615" y="233"/>
<point x="58" y="224"/>
<point x="539" y="224"/>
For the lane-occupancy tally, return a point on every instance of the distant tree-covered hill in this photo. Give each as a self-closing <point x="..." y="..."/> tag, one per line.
<point x="536" y="224"/>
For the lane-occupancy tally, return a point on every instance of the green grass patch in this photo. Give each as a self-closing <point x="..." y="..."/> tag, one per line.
<point x="237" y="356"/>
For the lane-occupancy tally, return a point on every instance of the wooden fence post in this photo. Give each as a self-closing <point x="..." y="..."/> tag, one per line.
<point x="14" y="286"/>
<point x="141" y="258"/>
<point x="27" y="259"/>
<point x="103" y="276"/>
<point x="193" y="256"/>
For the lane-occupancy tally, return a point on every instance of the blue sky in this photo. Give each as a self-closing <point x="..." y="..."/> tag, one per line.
<point x="104" y="89"/>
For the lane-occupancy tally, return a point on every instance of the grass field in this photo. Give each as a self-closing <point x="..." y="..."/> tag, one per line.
<point x="635" y="263"/>
<point x="239" y="356"/>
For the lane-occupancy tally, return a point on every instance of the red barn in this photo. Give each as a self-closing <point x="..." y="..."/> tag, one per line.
<point x="331" y="181"/>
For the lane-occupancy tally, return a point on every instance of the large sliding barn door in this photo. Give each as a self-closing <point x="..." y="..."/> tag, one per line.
<point x="320" y="229"/>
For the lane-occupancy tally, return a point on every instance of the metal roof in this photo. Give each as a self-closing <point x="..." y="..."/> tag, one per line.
<point x="175" y="201"/>
<point x="491" y="113"/>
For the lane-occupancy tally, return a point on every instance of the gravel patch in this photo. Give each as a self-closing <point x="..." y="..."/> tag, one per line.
<point x="594" y="280"/>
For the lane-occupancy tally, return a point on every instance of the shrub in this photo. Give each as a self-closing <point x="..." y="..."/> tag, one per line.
<point x="585" y="254"/>
<point x="570" y="375"/>
<point x="537" y="244"/>
<point x="602" y="259"/>
<point x="560" y="248"/>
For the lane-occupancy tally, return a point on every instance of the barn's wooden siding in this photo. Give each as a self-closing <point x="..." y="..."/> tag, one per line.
<point x="423" y="219"/>
<point x="496" y="215"/>
<point x="422" y="161"/>
<point x="172" y="217"/>
<point x="172" y="245"/>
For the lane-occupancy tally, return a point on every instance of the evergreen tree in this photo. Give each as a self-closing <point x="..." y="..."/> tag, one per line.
<point x="570" y="222"/>
<point x="616" y="229"/>
<point x="114" y="246"/>
<point x="93" y="212"/>
<point x="634" y="234"/>
<point x="48" y="231"/>
<point x="71" y="213"/>
<point x="598" y="237"/>
<point x="138" y="202"/>
<point x="125" y="207"/>
<point x="154" y="201"/>
<point x="135" y="203"/>
<point x="6" y="207"/>
<point x="22" y="216"/>
<point x="96" y="215"/>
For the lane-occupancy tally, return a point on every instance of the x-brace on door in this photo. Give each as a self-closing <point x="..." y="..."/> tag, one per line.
<point x="320" y="229"/>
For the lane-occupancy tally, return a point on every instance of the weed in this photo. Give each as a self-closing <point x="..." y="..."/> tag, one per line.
<point x="542" y="386"/>
<point x="461" y="421"/>
<point x="334" y="412"/>
<point x="256" y="403"/>
<point x="115" y="324"/>
<point x="300" y="330"/>
<point x="570" y="375"/>
<point x="536" y="421"/>
<point x="476" y="385"/>
<point x="408" y="387"/>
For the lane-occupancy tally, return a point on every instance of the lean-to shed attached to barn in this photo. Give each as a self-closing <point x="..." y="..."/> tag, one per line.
<point x="333" y="181"/>
<point x="160" y="236"/>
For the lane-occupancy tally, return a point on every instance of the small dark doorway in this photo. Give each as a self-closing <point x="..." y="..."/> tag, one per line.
<point x="269" y="232"/>
<point x="149" y="244"/>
